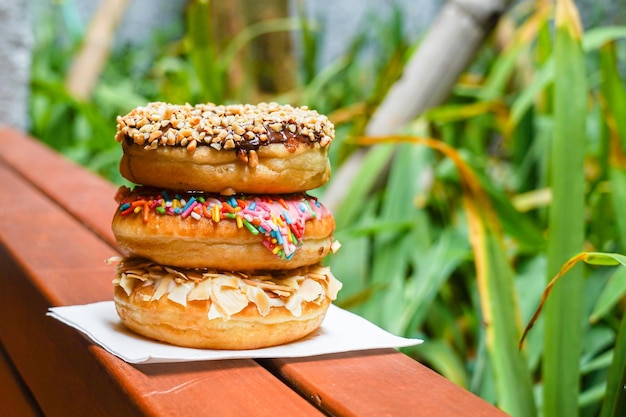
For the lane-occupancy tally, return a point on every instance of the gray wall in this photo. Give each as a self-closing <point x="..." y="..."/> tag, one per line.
<point x="15" y="46"/>
<point x="342" y="20"/>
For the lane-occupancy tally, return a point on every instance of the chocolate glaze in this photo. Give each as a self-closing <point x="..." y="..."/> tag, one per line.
<point x="243" y="147"/>
<point x="291" y="140"/>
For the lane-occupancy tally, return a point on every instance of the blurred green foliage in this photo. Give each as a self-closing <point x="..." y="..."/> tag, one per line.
<point x="409" y="260"/>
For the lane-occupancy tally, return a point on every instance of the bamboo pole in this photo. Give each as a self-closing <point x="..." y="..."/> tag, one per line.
<point x="271" y="54"/>
<point x="447" y="48"/>
<point x="89" y="62"/>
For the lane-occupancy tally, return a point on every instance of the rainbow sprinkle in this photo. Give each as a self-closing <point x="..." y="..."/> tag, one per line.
<point x="280" y="219"/>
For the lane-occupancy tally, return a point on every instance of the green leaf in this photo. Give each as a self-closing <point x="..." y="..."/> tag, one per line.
<point x="592" y="395"/>
<point x="563" y="311"/>
<point x="518" y="226"/>
<point x="203" y="51"/>
<point x="455" y="112"/>
<point x="614" y="290"/>
<point x="511" y="374"/>
<point x="614" y="404"/>
<point x="394" y="249"/>
<point x="593" y="39"/>
<point x="612" y="88"/>
<point x="606" y="259"/>
<point x="526" y="98"/>
<point x="617" y="177"/>
<point x="596" y="37"/>
<point x="371" y="170"/>
<point x="432" y="268"/>
<point x="253" y="31"/>
<point x="440" y="356"/>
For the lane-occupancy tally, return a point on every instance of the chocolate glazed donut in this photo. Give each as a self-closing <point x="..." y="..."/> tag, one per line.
<point x="267" y="148"/>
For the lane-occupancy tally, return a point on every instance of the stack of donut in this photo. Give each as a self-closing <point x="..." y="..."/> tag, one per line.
<point x="222" y="244"/>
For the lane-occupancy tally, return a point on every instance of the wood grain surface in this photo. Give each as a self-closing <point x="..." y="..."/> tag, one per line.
<point x="55" y="235"/>
<point x="15" y="399"/>
<point x="48" y="258"/>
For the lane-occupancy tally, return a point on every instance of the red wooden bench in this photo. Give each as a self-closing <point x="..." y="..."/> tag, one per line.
<point x="54" y="236"/>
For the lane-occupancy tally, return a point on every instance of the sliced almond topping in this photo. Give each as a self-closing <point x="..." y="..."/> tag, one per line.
<point x="229" y="293"/>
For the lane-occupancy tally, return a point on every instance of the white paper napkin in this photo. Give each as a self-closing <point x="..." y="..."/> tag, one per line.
<point x="341" y="331"/>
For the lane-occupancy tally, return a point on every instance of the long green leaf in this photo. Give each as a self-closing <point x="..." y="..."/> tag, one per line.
<point x="495" y="282"/>
<point x="202" y="51"/>
<point x="394" y="249"/>
<point x="253" y="31"/>
<point x="519" y="227"/>
<point x="614" y="95"/>
<point x="593" y="39"/>
<point x="432" y="268"/>
<point x="351" y="263"/>
<point x="371" y="170"/>
<point x="524" y="101"/>
<point x="509" y="366"/>
<point x="442" y="357"/>
<point x="563" y="335"/>
<point x="617" y="179"/>
<point x="614" y="404"/>
<point x="592" y="258"/>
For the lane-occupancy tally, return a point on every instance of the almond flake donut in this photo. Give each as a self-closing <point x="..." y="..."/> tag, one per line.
<point x="203" y="308"/>
<point x="263" y="149"/>
<point x="244" y="232"/>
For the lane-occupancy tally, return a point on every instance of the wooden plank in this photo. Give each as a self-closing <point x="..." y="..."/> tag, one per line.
<point x="382" y="382"/>
<point x="48" y="258"/>
<point x="15" y="399"/>
<point x="87" y="196"/>
<point x="379" y="382"/>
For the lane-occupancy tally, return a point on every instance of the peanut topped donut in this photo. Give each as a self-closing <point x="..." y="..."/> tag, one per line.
<point x="263" y="149"/>
<point x="244" y="232"/>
